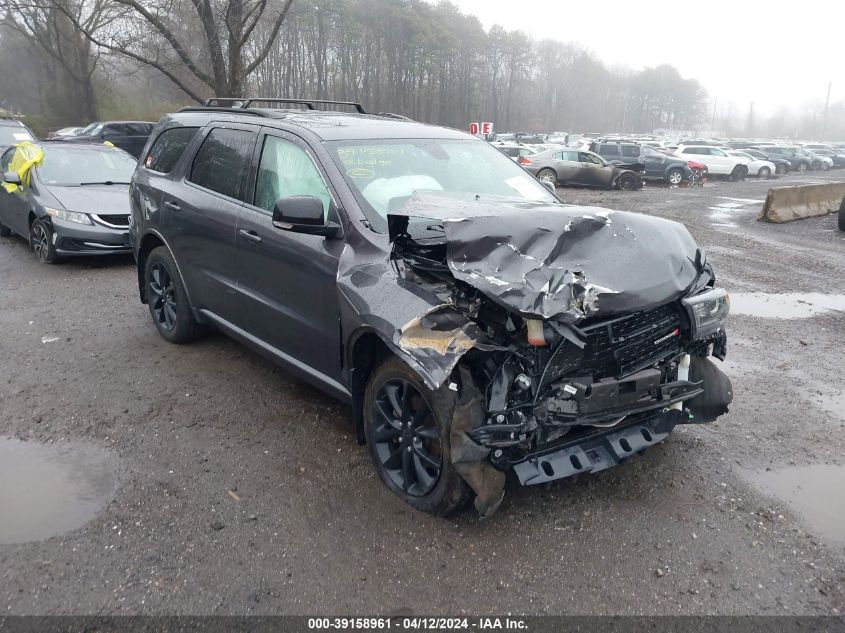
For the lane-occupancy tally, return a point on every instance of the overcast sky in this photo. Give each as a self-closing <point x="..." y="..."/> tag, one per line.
<point x="772" y="52"/>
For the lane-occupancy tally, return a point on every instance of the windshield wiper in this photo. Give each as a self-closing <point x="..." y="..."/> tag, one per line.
<point x="104" y="182"/>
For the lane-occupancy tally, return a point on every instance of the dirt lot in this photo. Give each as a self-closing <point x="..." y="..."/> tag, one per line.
<point x="238" y="489"/>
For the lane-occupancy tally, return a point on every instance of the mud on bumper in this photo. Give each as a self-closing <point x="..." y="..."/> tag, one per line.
<point x="597" y="452"/>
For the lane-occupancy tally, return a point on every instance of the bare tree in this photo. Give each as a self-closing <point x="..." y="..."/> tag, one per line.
<point x="67" y="57"/>
<point x="201" y="46"/>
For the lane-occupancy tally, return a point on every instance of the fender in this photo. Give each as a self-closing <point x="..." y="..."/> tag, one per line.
<point x="172" y="254"/>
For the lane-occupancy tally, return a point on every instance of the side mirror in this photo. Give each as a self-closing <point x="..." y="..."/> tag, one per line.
<point x="12" y="178"/>
<point x="303" y="214"/>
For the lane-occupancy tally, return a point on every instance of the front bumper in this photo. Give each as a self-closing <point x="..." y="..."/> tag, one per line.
<point x="71" y="239"/>
<point x="597" y="451"/>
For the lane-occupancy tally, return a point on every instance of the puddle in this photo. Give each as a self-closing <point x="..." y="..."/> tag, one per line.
<point x="814" y="492"/>
<point x="49" y="489"/>
<point x="786" y="305"/>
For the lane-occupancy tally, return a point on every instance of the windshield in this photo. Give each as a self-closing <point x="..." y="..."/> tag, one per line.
<point x="11" y="135"/>
<point x="92" y="129"/>
<point x="75" y="166"/>
<point x="383" y="174"/>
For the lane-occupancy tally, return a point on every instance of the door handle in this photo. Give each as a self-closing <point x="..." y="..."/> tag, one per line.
<point x="172" y="206"/>
<point x="252" y="236"/>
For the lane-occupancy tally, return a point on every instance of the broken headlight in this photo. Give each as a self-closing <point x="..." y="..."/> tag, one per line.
<point x="707" y="311"/>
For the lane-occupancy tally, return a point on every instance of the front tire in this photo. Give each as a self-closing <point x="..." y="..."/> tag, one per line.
<point x="41" y="242"/>
<point x="675" y="176"/>
<point x="739" y="173"/>
<point x="167" y="299"/>
<point x="841" y="217"/>
<point x="5" y="231"/>
<point x="764" y="172"/>
<point x="407" y="427"/>
<point x="627" y="182"/>
<point x="802" y="168"/>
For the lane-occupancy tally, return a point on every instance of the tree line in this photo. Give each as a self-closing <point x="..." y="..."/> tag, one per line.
<point x="424" y="60"/>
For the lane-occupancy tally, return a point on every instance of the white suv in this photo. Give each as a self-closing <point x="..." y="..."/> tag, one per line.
<point x="717" y="160"/>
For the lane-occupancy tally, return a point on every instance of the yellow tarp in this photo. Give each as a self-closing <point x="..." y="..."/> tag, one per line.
<point x="27" y="155"/>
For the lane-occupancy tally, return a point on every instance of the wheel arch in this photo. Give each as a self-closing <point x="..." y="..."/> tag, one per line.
<point x="365" y="351"/>
<point x="150" y="241"/>
<point x="146" y="246"/>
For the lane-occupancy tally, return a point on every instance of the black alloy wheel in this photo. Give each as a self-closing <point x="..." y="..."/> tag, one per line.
<point x="406" y="438"/>
<point x="162" y="297"/>
<point x="167" y="299"/>
<point x="41" y="241"/>
<point x="628" y="182"/>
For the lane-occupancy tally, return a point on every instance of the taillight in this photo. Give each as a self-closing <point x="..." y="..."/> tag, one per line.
<point x="523" y="161"/>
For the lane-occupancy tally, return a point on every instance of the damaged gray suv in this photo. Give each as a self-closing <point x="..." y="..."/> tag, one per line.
<point x="475" y="324"/>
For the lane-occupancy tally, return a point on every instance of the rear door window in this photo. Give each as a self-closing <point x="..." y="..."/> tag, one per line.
<point x="222" y="161"/>
<point x="631" y="151"/>
<point x="168" y="149"/>
<point x="609" y="150"/>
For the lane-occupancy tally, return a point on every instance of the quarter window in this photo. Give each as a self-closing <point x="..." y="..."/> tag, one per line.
<point x="168" y="149"/>
<point x="222" y="161"/>
<point x="286" y="170"/>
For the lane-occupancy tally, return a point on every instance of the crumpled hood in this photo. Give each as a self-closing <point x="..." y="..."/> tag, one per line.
<point x="99" y="199"/>
<point x="559" y="261"/>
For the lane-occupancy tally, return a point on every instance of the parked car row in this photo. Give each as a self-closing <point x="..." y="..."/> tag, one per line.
<point x="462" y="358"/>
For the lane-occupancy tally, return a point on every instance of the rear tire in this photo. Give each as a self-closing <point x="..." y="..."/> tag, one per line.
<point x="781" y="169"/>
<point x="167" y="299"/>
<point x="407" y="427"/>
<point x="547" y="175"/>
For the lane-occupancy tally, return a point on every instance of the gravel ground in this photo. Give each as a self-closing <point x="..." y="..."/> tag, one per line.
<point x="242" y="490"/>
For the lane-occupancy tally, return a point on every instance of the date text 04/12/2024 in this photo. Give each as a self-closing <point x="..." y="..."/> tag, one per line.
<point x="417" y="624"/>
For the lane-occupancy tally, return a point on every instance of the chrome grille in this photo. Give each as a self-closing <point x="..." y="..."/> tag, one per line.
<point x="120" y="221"/>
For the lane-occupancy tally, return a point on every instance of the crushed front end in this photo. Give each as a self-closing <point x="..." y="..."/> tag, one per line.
<point x="567" y="359"/>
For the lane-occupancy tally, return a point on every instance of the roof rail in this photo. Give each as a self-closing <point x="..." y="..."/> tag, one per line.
<point x="244" y="103"/>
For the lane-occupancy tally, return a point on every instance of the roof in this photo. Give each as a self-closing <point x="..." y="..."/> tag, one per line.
<point x="325" y="125"/>
<point x="51" y="143"/>
<point x="119" y="122"/>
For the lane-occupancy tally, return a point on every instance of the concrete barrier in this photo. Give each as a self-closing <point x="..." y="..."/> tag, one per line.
<point x="785" y="204"/>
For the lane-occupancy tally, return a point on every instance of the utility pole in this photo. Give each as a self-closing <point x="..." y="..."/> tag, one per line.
<point x="750" y="125"/>
<point x="826" y="105"/>
<point x="713" y="120"/>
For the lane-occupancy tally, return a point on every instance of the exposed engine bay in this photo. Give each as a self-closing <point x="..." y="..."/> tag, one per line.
<point x="575" y="338"/>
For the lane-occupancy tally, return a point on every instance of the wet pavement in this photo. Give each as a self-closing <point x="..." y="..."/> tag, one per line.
<point x="50" y="489"/>
<point x="241" y="490"/>
<point x="816" y="493"/>
<point x="786" y="305"/>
